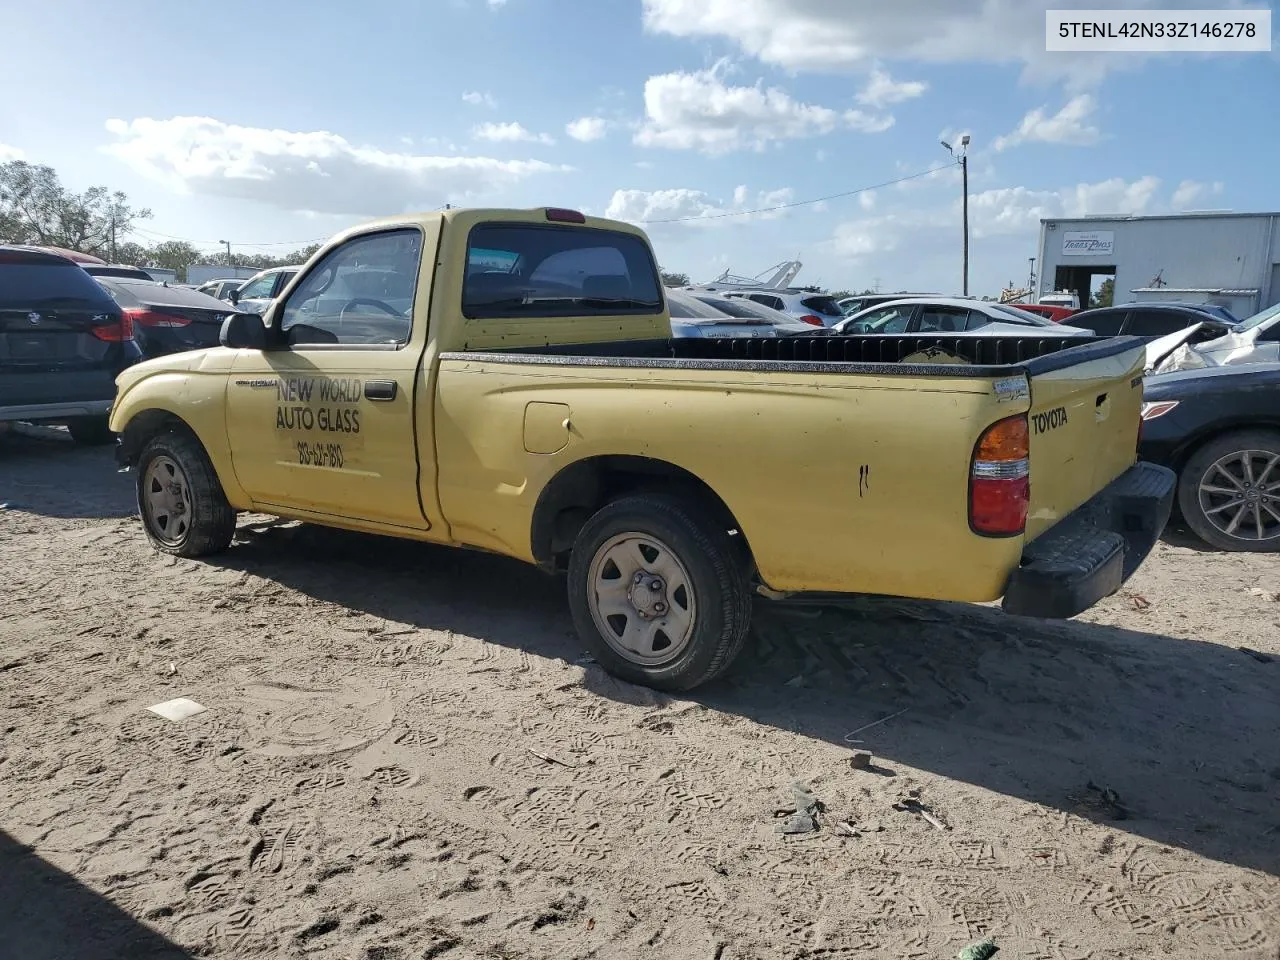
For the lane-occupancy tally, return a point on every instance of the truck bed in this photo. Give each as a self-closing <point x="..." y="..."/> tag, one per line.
<point x="883" y="355"/>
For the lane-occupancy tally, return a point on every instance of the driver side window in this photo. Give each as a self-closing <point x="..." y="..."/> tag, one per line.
<point x="887" y="320"/>
<point x="257" y="289"/>
<point x="361" y="293"/>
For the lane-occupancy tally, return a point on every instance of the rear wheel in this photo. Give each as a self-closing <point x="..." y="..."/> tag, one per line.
<point x="184" y="511"/>
<point x="90" y="431"/>
<point x="659" y="598"/>
<point x="1229" y="491"/>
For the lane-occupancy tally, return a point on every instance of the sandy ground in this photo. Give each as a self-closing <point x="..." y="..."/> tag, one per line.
<point x="404" y="755"/>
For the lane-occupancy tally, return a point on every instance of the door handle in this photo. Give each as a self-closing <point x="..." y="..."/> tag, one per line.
<point x="380" y="389"/>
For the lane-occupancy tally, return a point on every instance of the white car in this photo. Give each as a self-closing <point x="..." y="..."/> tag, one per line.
<point x="815" y="309"/>
<point x="954" y="316"/>
<point x="1254" y="340"/>
<point x="256" y="293"/>
<point x="704" y="315"/>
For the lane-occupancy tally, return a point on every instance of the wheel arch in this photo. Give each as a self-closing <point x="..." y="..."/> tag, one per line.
<point x="144" y="425"/>
<point x="1212" y="431"/>
<point x="582" y="487"/>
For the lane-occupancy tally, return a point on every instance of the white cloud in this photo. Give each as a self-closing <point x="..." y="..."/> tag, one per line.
<point x="586" y="129"/>
<point x="699" y="111"/>
<point x="8" y="153"/>
<point x="1189" y="193"/>
<point x="1070" y="125"/>
<point x="318" y="171"/>
<point x="696" y="207"/>
<point x="1004" y="212"/>
<point x="479" y="98"/>
<point x="510" y="133"/>
<point x="821" y="36"/>
<point x="883" y="91"/>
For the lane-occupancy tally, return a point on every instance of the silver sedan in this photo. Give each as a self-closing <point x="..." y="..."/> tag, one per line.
<point x="953" y="316"/>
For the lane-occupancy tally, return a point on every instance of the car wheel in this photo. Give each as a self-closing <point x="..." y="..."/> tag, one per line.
<point x="184" y="510"/>
<point x="1229" y="491"/>
<point x="90" y="431"/>
<point x="659" y="597"/>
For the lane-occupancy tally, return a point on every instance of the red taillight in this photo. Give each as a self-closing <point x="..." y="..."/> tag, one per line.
<point x="1000" y="479"/>
<point x="150" y="318"/>
<point x="811" y="319"/>
<point x="115" y="332"/>
<point x="561" y="215"/>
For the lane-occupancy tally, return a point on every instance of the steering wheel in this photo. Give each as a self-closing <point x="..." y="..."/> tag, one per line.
<point x="369" y="302"/>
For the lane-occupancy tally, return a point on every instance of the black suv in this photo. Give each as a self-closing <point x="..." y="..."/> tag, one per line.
<point x="63" y="340"/>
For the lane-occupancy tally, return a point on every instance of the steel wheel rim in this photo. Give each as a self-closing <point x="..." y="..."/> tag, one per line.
<point x="166" y="501"/>
<point x="1239" y="494"/>
<point x="641" y="599"/>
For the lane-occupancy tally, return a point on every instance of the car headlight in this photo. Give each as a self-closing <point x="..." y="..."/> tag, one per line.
<point x="1157" y="408"/>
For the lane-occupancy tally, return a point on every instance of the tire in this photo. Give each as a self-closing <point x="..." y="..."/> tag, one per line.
<point x="682" y="638"/>
<point x="1210" y="514"/>
<point x="90" y="431"/>
<point x="180" y="499"/>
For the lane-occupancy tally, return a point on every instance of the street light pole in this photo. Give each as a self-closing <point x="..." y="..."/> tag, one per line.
<point x="228" y="246"/>
<point x="963" y="159"/>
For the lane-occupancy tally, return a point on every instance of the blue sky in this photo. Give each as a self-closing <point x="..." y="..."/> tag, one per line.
<point x="282" y="122"/>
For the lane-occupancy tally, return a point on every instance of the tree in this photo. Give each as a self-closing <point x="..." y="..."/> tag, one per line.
<point x="670" y="279"/>
<point x="36" y="208"/>
<point x="1106" y="294"/>
<point x="134" y="254"/>
<point x="175" y="255"/>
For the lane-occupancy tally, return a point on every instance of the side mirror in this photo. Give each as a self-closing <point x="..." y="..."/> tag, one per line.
<point x="233" y="295"/>
<point x="243" y="331"/>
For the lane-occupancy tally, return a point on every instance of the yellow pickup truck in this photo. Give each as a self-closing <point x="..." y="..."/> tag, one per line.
<point x="506" y="380"/>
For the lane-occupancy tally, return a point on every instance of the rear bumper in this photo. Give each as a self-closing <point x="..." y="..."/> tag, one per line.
<point x="1089" y="554"/>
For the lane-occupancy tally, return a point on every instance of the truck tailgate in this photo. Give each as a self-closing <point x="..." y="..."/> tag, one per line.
<point x="1083" y="421"/>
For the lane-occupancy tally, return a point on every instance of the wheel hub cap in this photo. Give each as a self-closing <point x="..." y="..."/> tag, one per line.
<point x="1240" y="495"/>
<point x="166" y="501"/>
<point x="641" y="599"/>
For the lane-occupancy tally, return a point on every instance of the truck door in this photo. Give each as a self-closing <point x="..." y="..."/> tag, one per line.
<point x="323" y="421"/>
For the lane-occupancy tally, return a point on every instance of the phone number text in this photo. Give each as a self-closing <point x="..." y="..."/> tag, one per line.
<point x="320" y="454"/>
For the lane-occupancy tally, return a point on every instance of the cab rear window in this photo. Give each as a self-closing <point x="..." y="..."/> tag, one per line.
<point x="530" y="270"/>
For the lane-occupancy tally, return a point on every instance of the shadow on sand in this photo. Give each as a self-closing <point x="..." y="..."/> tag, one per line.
<point x="1187" y="734"/>
<point x="45" y="914"/>
<point x="43" y="472"/>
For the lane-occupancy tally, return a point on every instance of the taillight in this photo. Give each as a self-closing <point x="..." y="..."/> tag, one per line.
<point x="150" y="318"/>
<point x="811" y="319"/>
<point x="117" y="332"/>
<point x="1000" y="479"/>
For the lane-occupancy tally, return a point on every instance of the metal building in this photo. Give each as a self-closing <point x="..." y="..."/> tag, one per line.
<point x="1229" y="259"/>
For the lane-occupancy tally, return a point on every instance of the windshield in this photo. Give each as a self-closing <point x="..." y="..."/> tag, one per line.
<point x="738" y="309"/>
<point x="1257" y="320"/>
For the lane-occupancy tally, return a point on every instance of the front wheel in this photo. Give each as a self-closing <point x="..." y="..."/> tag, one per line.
<point x="1229" y="491"/>
<point x="184" y="510"/>
<point x="659" y="598"/>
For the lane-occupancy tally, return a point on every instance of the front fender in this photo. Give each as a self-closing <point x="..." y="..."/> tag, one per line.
<point x="186" y="399"/>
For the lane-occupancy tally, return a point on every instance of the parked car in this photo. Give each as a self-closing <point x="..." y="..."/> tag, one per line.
<point x="709" y="315"/>
<point x="1151" y="320"/>
<point x="167" y="319"/>
<point x="75" y="256"/>
<point x="954" y="315"/>
<point x="115" y="270"/>
<point x="1254" y="340"/>
<point x="1219" y="428"/>
<point x="63" y="341"/>
<point x="221" y="289"/>
<point x="1213" y="309"/>
<point x="1046" y="310"/>
<point x="256" y="293"/>
<point x="566" y="433"/>
<point x="851" y="305"/>
<point x="815" y="309"/>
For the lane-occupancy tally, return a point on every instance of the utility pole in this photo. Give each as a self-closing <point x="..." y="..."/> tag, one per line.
<point x="963" y="159"/>
<point x="1031" y="279"/>
<point x="113" y="234"/>
<point x="228" y="245"/>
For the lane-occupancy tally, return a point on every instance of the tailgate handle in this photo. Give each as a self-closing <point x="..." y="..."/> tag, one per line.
<point x="1102" y="406"/>
<point x="380" y="389"/>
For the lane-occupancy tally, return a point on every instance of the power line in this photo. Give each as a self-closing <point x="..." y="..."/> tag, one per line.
<point x="800" y="203"/>
<point x="239" y="243"/>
